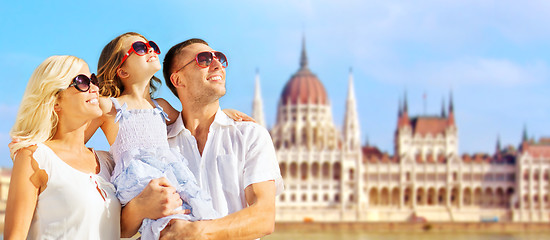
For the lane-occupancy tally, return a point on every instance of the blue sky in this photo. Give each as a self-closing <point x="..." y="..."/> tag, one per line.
<point x="493" y="55"/>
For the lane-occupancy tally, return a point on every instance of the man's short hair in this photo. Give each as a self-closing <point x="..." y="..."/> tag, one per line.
<point x="167" y="65"/>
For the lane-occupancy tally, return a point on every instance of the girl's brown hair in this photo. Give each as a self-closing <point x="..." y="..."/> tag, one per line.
<point x="110" y="85"/>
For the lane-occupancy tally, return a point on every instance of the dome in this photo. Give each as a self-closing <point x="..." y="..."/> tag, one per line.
<point x="304" y="87"/>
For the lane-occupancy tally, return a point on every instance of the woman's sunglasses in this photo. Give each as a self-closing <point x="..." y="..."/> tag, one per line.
<point x="140" y="48"/>
<point x="82" y="82"/>
<point x="204" y="59"/>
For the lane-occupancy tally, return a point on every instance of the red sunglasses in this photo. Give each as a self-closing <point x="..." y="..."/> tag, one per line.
<point x="82" y="82"/>
<point x="204" y="59"/>
<point x="140" y="48"/>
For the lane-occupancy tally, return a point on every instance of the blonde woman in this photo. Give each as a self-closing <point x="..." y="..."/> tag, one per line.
<point x="59" y="187"/>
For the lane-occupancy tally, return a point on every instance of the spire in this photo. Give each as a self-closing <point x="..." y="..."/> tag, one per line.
<point x="498" y="148"/>
<point x="351" y="121"/>
<point x="405" y="105"/>
<point x="451" y="118"/>
<point x="303" y="58"/>
<point x="451" y="105"/>
<point x="400" y="110"/>
<point x="524" y="145"/>
<point x="525" y="136"/>
<point x="403" y="119"/>
<point x="257" y="104"/>
<point x="443" y="114"/>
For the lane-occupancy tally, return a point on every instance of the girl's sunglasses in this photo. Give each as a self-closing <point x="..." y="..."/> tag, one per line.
<point x="204" y="59"/>
<point x="140" y="48"/>
<point x="82" y="82"/>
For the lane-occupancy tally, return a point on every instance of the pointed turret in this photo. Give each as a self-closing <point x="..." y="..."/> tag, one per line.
<point x="400" y="108"/>
<point x="524" y="140"/>
<point x="451" y="118"/>
<point x="405" y="104"/>
<point x="351" y="121"/>
<point x="303" y="57"/>
<point x="443" y="114"/>
<point x="525" y="136"/>
<point x="403" y="113"/>
<point x="498" y="147"/>
<point x="257" y="104"/>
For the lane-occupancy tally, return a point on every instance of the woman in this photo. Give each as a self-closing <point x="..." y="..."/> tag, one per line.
<point x="58" y="186"/>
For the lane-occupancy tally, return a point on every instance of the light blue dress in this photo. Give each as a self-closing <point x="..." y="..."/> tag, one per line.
<point x="141" y="153"/>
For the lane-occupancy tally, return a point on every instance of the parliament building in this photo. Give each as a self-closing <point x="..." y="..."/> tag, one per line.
<point x="330" y="176"/>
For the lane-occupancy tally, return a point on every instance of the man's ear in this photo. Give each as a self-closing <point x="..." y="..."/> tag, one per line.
<point x="176" y="80"/>
<point x="122" y="74"/>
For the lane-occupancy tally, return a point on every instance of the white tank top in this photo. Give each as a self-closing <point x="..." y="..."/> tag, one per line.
<point x="74" y="205"/>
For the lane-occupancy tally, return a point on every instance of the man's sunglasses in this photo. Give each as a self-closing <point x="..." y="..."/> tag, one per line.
<point x="204" y="59"/>
<point x="140" y="48"/>
<point x="82" y="82"/>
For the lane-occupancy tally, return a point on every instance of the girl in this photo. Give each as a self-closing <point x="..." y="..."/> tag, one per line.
<point x="58" y="187"/>
<point x="135" y="127"/>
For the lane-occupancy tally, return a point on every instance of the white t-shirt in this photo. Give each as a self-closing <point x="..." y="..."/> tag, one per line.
<point x="236" y="154"/>
<point x="74" y="205"/>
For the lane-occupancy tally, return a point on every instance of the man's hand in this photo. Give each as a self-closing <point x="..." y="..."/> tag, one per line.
<point x="181" y="229"/>
<point x="252" y="222"/>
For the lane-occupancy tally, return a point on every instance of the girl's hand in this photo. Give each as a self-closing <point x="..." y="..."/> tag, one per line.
<point x="159" y="199"/>
<point x="238" y="116"/>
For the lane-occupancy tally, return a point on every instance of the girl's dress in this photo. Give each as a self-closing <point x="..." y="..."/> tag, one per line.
<point x="74" y="205"/>
<point x="141" y="154"/>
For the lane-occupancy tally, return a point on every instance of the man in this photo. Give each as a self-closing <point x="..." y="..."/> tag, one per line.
<point x="235" y="162"/>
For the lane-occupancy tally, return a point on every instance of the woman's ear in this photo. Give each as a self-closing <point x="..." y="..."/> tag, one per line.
<point x="121" y="73"/>
<point x="56" y="107"/>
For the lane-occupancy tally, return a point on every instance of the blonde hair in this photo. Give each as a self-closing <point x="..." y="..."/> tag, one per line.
<point x="110" y="84"/>
<point x="36" y="119"/>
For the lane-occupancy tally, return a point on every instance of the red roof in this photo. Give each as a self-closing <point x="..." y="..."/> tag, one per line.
<point x="431" y="125"/>
<point x="539" y="150"/>
<point x="304" y="87"/>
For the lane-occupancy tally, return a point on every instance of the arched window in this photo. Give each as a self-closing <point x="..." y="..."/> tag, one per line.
<point x="336" y="171"/>
<point x="282" y="167"/>
<point x="315" y="170"/>
<point x="326" y="170"/>
<point x="293" y="170"/>
<point x="303" y="171"/>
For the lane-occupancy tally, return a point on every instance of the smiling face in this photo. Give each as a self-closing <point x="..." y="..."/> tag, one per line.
<point x="198" y="84"/>
<point x="135" y="65"/>
<point x="74" y="104"/>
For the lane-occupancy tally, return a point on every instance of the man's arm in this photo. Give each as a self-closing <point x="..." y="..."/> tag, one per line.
<point x="254" y="221"/>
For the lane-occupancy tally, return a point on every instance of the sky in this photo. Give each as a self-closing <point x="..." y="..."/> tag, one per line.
<point x="494" y="56"/>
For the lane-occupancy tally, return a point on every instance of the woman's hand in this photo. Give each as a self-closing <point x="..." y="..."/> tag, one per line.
<point x="238" y="116"/>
